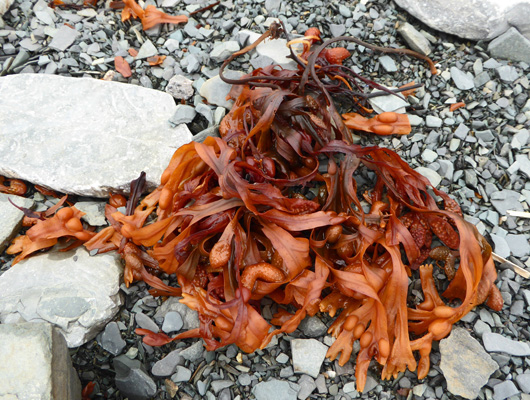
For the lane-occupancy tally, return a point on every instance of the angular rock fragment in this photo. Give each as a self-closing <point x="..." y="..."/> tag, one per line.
<point x="77" y="293"/>
<point x="11" y="217"/>
<point x="308" y="355"/>
<point x="85" y="136"/>
<point x="465" y="364"/>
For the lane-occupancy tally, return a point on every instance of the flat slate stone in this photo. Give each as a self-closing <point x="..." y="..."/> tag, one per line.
<point x="308" y="356"/>
<point x="11" y="217"/>
<point x="77" y="293"/>
<point x="85" y="136"/>
<point x="465" y="364"/>
<point x="496" y="343"/>
<point x="35" y="364"/>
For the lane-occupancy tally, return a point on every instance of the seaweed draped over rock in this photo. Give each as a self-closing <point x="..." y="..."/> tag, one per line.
<point x="272" y="209"/>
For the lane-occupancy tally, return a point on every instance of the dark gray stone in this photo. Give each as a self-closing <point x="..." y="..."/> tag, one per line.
<point x="496" y="343"/>
<point x="511" y="45"/>
<point x="111" y="339"/>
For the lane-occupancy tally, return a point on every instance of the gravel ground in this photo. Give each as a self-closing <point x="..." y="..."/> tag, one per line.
<point x="478" y="153"/>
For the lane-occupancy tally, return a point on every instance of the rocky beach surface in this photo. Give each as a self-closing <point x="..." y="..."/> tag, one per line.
<point x="71" y="122"/>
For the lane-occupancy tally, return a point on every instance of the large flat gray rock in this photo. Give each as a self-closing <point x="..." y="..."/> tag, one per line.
<point x="465" y="364"/>
<point x="473" y="19"/>
<point x="11" y="217"/>
<point x="77" y="293"/>
<point x="85" y="136"/>
<point x="35" y="364"/>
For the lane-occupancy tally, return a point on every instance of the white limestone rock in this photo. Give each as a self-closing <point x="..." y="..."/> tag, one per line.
<point x="85" y="136"/>
<point x="35" y="364"/>
<point x="76" y="293"/>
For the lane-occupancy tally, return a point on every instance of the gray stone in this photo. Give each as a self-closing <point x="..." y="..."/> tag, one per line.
<point x="63" y="38"/>
<point x="94" y="212"/>
<point x="432" y="121"/>
<point x="147" y="49"/>
<point x="35" y="364"/>
<point x="136" y="384"/>
<point x="168" y="365"/>
<point x="189" y="317"/>
<point x="193" y="352"/>
<point x="337" y="29"/>
<point x="205" y="111"/>
<point x="464" y="364"/>
<point x="481" y="328"/>
<point x="500" y="246"/>
<point x="313" y="327"/>
<point x="504" y="390"/>
<point x="274" y="389"/>
<point x="223" y="50"/>
<point x="183" y="374"/>
<point x="308" y="355"/>
<point x="111" y="339"/>
<point x="511" y="45"/>
<point x="344" y="11"/>
<point x="496" y="343"/>
<point x="507" y="73"/>
<point x="77" y="293"/>
<point x="388" y="64"/>
<point x="519" y="245"/>
<point x="219" y="385"/>
<point x="11" y="217"/>
<point x="429" y="156"/>
<point x="446" y="169"/>
<point x="277" y="50"/>
<point x="244" y="379"/>
<point x="433" y="176"/>
<point x="414" y="38"/>
<point x="214" y="90"/>
<point x="172" y="322"/>
<point x="307" y="386"/>
<point x="386" y="103"/>
<point x="87" y="140"/>
<point x="184" y="114"/>
<point x="180" y="87"/>
<point x="505" y="200"/>
<point x="144" y="322"/>
<point x="272" y="5"/>
<point x="476" y="20"/>
<point x="523" y="381"/>
<point x="4" y="6"/>
<point x="462" y="80"/>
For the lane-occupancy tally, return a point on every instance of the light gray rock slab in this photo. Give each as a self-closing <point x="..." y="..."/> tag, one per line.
<point x="214" y="90"/>
<point x="172" y="322"/>
<point x="518" y="244"/>
<point x="414" y="38"/>
<point x="77" y="293"/>
<point x="85" y="136"/>
<point x="387" y="103"/>
<point x="511" y="45"/>
<point x="388" y="63"/>
<point x="504" y="390"/>
<point x="463" y="80"/>
<point x="35" y="363"/>
<point x="190" y="317"/>
<point x="500" y="245"/>
<point x="4" y="6"/>
<point x="193" y="352"/>
<point x="496" y="343"/>
<point x="274" y="389"/>
<point x="507" y="73"/>
<point x="479" y="19"/>
<point x="11" y="217"/>
<point x="148" y="49"/>
<point x="63" y="38"/>
<point x="167" y="365"/>
<point x="94" y="212"/>
<point x="184" y="114"/>
<point x="505" y="200"/>
<point x="523" y="381"/>
<point x="464" y="364"/>
<point x="308" y="355"/>
<point x="433" y="176"/>
<point x="182" y="374"/>
<point x="223" y="50"/>
<point x="111" y="339"/>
